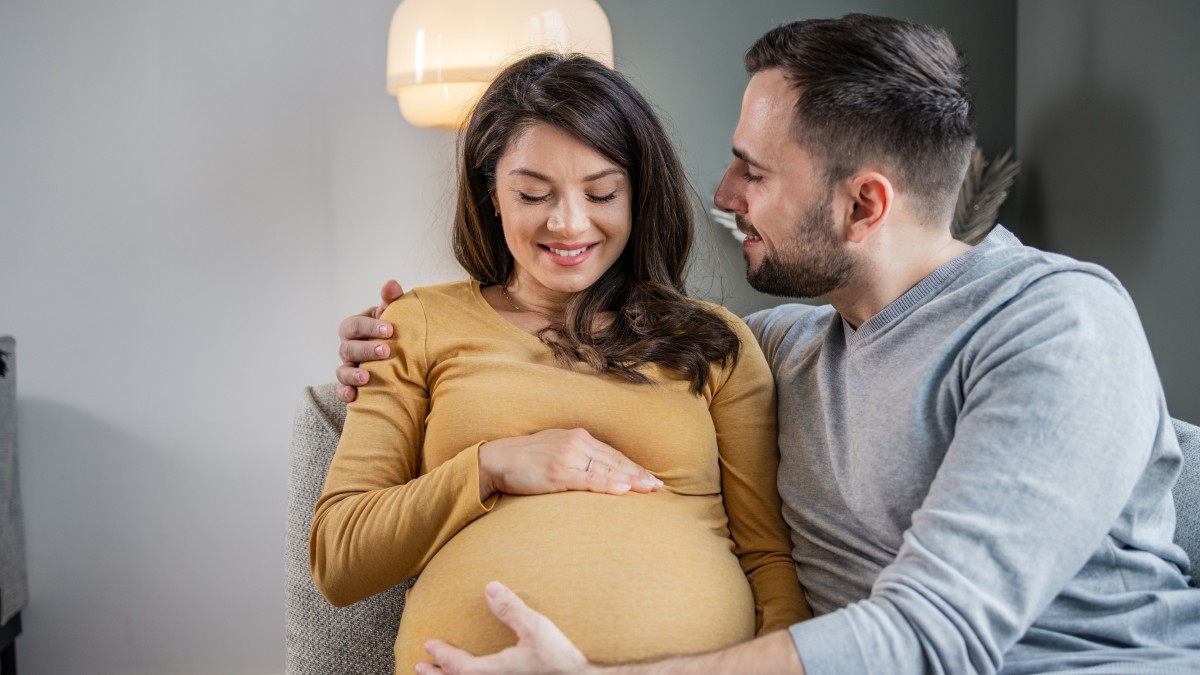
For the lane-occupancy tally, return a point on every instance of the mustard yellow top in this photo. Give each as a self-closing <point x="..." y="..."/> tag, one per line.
<point x="626" y="577"/>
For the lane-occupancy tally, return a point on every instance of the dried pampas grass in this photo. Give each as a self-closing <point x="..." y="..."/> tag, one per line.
<point x="984" y="189"/>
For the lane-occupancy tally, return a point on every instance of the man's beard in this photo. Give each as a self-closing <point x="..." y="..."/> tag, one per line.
<point x="809" y="264"/>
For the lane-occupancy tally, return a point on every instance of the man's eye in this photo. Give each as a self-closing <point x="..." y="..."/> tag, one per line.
<point x="603" y="199"/>
<point x="751" y="178"/>
<point x="532" y="199"/>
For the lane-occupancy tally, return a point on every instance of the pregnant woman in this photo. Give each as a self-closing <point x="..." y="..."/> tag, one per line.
<point x="568" y="421"/>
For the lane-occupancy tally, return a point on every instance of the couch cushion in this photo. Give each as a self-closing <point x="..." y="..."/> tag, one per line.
<point x="14" y="589"/>
<point x="1187" y="496"/>
<point x="323" y="639"/>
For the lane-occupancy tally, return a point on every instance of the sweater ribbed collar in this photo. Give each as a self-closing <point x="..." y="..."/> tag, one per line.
<point x="938" y="279"/>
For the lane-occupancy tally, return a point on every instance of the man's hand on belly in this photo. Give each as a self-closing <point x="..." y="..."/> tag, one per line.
<point x="542" y="649"/>
<point x="541" y="646"/>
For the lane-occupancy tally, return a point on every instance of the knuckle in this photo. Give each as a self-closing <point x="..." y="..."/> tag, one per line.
<point x="505" y="610"/>
<point x="351" y="327"/>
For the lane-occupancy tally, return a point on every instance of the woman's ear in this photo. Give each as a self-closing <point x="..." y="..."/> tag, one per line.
<point x="872" y="195"/>
<point x="496" y="204"/>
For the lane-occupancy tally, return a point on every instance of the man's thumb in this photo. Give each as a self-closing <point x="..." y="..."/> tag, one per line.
<point x="510" y="609"/>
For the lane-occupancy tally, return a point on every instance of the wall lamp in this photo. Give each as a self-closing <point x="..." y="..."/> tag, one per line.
<point x="443" y="53"/>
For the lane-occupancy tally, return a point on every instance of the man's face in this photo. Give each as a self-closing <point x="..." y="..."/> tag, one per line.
<point x="780" y="199"/>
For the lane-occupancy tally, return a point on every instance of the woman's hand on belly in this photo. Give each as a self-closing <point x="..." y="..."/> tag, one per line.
<point x="557" y="460"/>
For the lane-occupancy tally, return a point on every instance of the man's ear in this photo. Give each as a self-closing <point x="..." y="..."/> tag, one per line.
<point x="872" y="197"/>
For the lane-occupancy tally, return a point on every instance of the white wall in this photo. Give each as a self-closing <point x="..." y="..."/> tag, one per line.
<point x="192" y="194"/>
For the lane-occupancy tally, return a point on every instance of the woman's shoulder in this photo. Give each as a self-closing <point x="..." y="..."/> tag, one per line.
<point x="448" y="292"/>
<point x="722" y="312"/>
<point x="436" y="299"/>
<point x="715" y="307"/>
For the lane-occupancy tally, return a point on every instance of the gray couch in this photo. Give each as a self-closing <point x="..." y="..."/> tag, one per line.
<point x="13" y="586"/>
<point x="323" y="639"/>
<point x="354" y="640"/>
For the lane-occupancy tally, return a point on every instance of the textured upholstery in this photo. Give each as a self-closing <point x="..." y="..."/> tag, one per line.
<point x="14" y="590"/>
<point x="1187" y="496"/>
<point x="323" y="639"/>
<point x="357" y="640"/>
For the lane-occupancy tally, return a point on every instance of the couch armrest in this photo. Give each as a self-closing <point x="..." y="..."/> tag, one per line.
<point x="321" y="638"/>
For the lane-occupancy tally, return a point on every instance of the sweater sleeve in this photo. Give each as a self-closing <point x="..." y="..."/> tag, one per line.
<point x="383" y="515"/>
<point x="743" y="413"/>
<point x="1057" y="420"/>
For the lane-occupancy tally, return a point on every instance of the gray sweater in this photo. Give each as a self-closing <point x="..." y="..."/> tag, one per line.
<point x="978" y="479"/>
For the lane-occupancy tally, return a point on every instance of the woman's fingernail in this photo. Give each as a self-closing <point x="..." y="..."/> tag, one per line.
<point x="622" y="487"/>
<point x="383" y="329"/>
<point x="379" y="350"/>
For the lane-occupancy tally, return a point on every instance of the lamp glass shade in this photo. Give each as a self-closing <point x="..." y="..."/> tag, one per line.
<point x="443" y="53"/>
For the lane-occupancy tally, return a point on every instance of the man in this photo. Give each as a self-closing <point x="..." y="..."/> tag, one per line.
<point x="976" y="453"/>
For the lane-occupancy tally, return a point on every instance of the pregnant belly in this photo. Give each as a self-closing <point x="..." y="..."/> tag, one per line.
<point x="628" y="577"/>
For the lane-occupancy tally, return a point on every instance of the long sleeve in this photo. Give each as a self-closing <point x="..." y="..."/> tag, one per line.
<point x="1057" y="416"/>
<point x="743" y="413"/>
<point x="383" y="515"/>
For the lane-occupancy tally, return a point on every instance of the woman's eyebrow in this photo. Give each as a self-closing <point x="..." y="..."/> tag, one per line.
<point x="586" y="179"/>
<point x="601" y="174"/>
<point x="531" y="173"/>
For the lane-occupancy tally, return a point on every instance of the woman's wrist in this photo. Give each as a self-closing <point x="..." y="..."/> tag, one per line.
<point x="487" y="486"/>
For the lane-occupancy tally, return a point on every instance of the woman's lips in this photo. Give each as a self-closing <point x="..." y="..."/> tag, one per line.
<point x="568" y="255"/>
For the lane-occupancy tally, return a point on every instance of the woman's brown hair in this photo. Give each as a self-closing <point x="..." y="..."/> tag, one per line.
<point x="655" y="321"/>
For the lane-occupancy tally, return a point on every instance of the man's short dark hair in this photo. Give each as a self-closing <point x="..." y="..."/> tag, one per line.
<point x="876" y="89"/>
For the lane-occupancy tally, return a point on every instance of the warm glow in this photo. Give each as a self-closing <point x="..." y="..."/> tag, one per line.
<point x="438" y="105"/>
<point x="442" y="53"/>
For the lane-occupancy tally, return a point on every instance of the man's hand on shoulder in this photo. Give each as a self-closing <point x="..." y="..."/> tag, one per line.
<point x="360" y="342"/>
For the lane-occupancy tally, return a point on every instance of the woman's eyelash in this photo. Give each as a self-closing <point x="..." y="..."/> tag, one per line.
<point x="538" y="199"/>
<point x="751" y="178"/>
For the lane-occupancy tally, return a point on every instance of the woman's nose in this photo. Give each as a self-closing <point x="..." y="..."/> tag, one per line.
<point x="568" y="219"/>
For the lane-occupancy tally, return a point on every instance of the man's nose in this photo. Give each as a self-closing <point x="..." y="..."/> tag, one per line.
<point x="728" y="196"/>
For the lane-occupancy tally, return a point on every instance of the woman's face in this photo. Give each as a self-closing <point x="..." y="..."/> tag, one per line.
<point x="566" y="211"/>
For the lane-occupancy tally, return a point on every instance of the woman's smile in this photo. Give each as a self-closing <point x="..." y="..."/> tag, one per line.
<point x="569" y="255"/>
